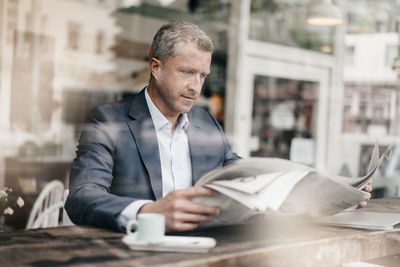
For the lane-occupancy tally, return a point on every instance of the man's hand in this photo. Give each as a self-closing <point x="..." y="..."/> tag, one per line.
<point x="367" y="188"/>
<point x="181" y="213"/>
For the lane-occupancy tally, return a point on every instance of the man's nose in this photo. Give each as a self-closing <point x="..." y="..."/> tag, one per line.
<point x="196" y="82"/>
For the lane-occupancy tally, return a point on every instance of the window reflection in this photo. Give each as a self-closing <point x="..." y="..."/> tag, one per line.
<point x="371" y="98"/>
<point x="371" y="110"/>
<point x="58" y="59"/>
<point x="61" y="58"/>
<point x="371" y="104"/>
<point x="283" y="109"/>
<point x="284" y="22"/>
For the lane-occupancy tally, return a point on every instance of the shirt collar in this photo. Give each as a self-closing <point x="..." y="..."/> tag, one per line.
<point x="159" y="119"/>
<point x="183" y="121"/>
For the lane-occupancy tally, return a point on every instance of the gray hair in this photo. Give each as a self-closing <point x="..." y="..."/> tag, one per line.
<point x="167" y="38"/>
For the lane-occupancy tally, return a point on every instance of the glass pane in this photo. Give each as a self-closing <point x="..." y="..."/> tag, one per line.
<point x="284" y="109"/>
<point x="371" y="104"/>
<point x="284" y="22"/>
<point x="371" y="110"/>
<point x="59" y="59"/>
<point x="371" y="96"/>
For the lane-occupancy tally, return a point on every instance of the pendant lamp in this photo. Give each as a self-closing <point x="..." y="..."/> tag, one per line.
<point x="324" y="14"/>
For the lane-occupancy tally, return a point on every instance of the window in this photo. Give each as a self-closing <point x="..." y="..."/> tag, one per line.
<point x="391" y="52"/>
<point x="100" y="49"/>
<point x="73" y="35"/>
<point x="349" y="56"/>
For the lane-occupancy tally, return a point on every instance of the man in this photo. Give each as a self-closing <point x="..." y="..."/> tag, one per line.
<point x="144" y="154"/>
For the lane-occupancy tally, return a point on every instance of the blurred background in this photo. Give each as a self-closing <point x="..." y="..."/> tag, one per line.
<point x="281" y="84"/>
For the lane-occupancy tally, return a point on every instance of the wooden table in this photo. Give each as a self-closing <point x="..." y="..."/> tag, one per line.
<point x="281" y="243"/>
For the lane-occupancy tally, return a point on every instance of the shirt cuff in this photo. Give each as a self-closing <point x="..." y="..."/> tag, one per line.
<point x="130" y="212"/>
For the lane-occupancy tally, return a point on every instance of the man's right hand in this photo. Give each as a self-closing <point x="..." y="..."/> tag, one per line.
<point x="181" y="213"/>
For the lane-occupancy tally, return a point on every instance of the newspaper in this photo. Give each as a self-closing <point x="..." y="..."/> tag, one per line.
<point x="271" y="185"/>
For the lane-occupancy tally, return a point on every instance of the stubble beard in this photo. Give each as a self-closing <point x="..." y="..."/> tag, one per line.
<point x="175" y="105"/>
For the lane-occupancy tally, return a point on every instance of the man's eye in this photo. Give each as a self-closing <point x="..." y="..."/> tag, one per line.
<point x="203" y="76"/>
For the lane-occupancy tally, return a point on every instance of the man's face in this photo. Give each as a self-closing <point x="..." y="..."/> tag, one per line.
<point x="179" y="80"/>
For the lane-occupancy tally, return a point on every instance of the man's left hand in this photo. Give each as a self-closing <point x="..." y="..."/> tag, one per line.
<point x="367" y="188"/>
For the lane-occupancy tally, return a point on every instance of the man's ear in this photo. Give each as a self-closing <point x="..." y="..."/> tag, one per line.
<point x="155" y="67"/>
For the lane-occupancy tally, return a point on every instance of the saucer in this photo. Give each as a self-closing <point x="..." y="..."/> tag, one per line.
<point x="188" y="244"/>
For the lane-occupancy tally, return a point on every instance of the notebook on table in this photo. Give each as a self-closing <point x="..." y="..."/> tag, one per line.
<point x="364" y="220"/>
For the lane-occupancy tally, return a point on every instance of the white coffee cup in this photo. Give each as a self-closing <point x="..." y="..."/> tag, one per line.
<point x="150" y="227"/>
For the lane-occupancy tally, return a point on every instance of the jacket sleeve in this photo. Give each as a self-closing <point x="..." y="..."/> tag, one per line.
<point x="89" y="200"/>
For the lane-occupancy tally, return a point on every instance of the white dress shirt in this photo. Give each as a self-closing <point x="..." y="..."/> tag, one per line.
<point x="175" y="160"/>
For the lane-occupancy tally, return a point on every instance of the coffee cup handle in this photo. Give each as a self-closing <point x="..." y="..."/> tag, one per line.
<point x="129" y="227"/>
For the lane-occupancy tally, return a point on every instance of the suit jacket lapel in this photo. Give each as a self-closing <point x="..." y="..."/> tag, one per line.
<point x="197" y="147"/>
<point x="144" y="133"/>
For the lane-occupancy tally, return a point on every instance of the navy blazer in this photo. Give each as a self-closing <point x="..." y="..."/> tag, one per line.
<point x="118" y="160"/>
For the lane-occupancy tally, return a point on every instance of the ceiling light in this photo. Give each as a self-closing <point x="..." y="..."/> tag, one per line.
<point x="166" y="2"/>
<point x="324" y="14"/>
<point x="130" y="3"/>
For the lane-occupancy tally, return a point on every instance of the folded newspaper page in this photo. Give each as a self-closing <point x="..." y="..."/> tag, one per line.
<point x="374" y="164"/>
<point x="262" y="185"/>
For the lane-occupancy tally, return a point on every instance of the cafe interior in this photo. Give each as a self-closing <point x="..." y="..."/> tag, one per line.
<point x="316" y="82"/>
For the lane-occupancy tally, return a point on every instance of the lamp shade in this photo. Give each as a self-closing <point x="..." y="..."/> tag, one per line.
<point x="325" y="14"/>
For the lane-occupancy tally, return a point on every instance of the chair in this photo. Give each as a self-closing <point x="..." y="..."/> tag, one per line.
<point x="46" y="209"/>
<point x="66" y="221"/>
